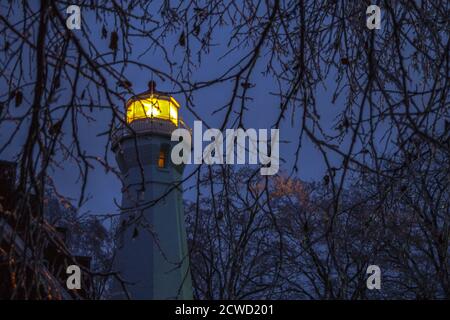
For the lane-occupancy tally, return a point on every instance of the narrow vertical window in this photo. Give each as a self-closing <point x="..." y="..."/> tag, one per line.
<point x="162" y="159"/>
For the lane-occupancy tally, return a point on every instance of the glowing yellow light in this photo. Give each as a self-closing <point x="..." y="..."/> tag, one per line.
<point x="173" y="113"/>
<point x="165" y="108"/>
<point x="162" y="159"/>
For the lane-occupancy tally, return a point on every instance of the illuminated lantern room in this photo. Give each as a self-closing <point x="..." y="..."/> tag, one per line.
<point x="151" y="112"/>
<point x="152" y="105"/>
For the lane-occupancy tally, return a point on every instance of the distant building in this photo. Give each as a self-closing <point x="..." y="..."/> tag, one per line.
<point x="33" y="254"/>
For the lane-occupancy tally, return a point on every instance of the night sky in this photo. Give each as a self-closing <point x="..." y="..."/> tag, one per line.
<point x="103" y="187"/>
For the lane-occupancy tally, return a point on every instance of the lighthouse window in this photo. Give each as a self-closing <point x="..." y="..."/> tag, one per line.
<point x="162" y="159"/>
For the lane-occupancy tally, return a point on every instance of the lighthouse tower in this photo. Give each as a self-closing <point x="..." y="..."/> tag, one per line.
<point x="152" y="256"/>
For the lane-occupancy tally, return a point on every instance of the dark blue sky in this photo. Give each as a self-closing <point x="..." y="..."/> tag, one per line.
<point x="103" y="187"/>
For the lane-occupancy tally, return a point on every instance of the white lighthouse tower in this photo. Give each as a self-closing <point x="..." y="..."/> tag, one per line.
<point x="152" y="256"/>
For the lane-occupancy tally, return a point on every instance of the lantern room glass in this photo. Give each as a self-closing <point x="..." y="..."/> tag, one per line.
<point x="153" y="107"/>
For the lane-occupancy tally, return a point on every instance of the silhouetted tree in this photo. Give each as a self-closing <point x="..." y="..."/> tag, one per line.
<point x="387" y="147"/>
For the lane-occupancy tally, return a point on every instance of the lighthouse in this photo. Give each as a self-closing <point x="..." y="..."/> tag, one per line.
<point x="151" y="258"/>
